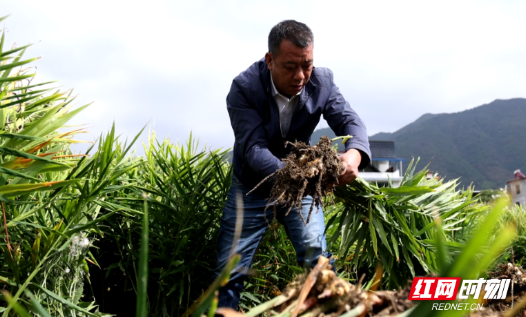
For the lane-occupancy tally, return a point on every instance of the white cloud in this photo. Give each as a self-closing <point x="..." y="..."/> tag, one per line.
<point x="172" y="62"/>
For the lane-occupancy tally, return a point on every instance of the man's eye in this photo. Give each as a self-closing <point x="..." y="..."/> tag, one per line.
<point x="289" y="67"/>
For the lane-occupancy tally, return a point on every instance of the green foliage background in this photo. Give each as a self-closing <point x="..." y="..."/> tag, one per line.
<point x="72" y="224"/>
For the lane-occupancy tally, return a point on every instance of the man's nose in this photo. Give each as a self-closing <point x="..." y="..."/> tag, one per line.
<point x="299" y="75"/>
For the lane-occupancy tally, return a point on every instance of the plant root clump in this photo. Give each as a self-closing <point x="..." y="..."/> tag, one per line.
<point x="308" y="171"/>
<point x="325" y="294"/>
<point x="321" y="293"/>
<point x="498" y="307"/>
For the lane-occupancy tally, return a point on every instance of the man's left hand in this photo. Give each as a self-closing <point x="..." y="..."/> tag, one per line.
<point x="351" y="160"/>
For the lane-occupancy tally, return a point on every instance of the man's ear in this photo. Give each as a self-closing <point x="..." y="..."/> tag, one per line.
<point x="269" y="59"/>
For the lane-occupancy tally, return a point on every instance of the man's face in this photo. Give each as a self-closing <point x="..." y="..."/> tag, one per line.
<point x="291" y="67"/>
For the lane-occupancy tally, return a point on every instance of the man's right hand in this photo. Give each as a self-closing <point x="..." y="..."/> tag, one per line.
<point x="351" y="160"/>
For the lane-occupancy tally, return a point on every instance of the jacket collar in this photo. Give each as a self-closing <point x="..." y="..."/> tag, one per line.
<point x="275" y="91"/>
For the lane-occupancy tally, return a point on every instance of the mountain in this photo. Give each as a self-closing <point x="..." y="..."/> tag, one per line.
<point x="483" y="145"/>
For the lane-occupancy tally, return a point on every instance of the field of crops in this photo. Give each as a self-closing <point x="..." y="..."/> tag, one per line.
<point x="109" y="232"/>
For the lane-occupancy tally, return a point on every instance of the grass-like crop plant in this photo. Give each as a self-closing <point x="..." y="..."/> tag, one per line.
<point x="517" y="215"/>
<point x="321" y="293"/>
<point x="186" y="189"/>
<point x="50" y="199"/>
<point x="393" y="226"/>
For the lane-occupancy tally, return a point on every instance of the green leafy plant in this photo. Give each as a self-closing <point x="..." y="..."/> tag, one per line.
<point x="393" y="226"/>
<point x="142" y="279"/>
<point x="186" y="189"/>
<point x="474" y="258"/>
<point x="50" y="198"/>
<point x="516" y="215"/>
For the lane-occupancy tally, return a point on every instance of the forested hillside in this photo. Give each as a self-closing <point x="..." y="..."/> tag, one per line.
<point x="483" y="145"/>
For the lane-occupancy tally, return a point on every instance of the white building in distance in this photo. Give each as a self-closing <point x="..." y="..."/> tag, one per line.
<point x="384" y="166"/>
<point x="517" y="188"/>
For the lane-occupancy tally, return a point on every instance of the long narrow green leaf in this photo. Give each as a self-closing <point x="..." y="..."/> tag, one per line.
<point x="381" y="232"/>
<point x="2" y="19"/>
<point x="88" y="225"/>
<point x="63" y="301"/>
<point x="15" y="78"/>
<point x="7" y="189"/>
<point x="13" y="65"/>
<point x="33" y="86"/>
<point x="359" y="242"/>
<point x="19" y="101"/>
<point x="441" y="248"/>
<point x="17" y="153"/>
<point x="395" y="246"/>
<point x="21" y="48"/>
<point x="22" y="137"/>
<point x="36" y="304"/>
<point x="12" y="172"/>
<point x="406" y="190"/>
<point x="142" y="282"/>
<point x="19" y="309"/>
<point x="20" y="189"/>
<point x="408" y="261"/>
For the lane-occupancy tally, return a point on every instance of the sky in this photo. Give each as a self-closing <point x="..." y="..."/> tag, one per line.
<point x="168" y="65"/>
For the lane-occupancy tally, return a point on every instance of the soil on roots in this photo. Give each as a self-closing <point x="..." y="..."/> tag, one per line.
<point x="321" y="293"/>
<point x="516" y="291"/>
<point x="308" y="171"/>
<point x="327" y="295"/>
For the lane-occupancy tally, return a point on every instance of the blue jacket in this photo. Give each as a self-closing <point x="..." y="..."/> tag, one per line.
<point x="254" y="116"/>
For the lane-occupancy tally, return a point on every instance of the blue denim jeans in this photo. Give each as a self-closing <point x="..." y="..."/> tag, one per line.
<point x="308" y="240"/>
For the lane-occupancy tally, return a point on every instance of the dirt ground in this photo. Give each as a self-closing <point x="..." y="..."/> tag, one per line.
<point x="517" y="290"/>
<point x="323" y="294"/>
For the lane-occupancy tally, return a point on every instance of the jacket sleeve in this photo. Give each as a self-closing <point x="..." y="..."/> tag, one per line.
<point x="250" y="136"/>
<point x="343" y="120"/>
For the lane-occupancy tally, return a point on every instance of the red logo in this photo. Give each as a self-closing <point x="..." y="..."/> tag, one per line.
<point x="434" y="288"/>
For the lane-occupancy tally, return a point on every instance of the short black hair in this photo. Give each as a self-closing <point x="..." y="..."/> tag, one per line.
<point x="296" y="32"/>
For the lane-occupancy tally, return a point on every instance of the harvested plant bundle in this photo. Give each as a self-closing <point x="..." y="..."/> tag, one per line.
<point x="308" y="171"/>
<point x="323" y="293"/>
<point x="395" y="226"/>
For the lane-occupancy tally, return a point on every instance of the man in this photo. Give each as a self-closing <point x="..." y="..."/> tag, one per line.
<point x="281" y="98"/>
